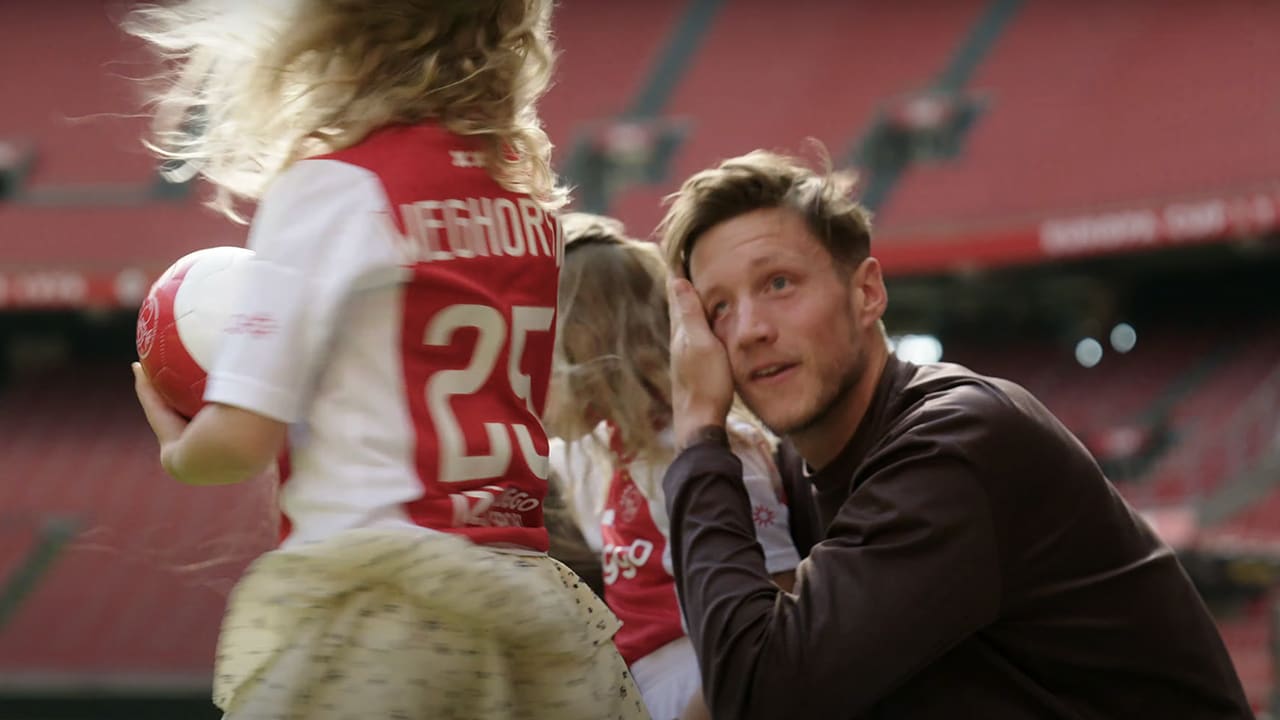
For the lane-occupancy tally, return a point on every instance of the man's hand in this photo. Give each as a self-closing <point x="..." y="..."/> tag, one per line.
<point x="701" y="380"/>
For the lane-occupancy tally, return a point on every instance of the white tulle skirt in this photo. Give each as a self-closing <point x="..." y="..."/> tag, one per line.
<point x="408" y="625"/>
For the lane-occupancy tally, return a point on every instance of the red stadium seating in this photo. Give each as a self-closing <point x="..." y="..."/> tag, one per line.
<point x="1218" y="426"/>
<point x="1247" y="635"/>
<point x="1121" y="386"/>
<point x="770" y="74"/>
<point x="86" y="230"/>
<point x="1224" y="426"/>
<point x="606" y="51"/>
<point x="1254" y="531"/>
<point x="138" y="594"/>
<point x="80" y="103"/>
<point x="1125" y="103"/>
<point x="146" y="236"/>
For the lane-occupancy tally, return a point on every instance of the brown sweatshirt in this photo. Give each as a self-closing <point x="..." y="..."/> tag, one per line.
<point x="972" y="562"/>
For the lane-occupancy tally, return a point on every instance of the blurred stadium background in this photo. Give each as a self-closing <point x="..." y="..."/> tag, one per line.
<point x="1080" y="195"/>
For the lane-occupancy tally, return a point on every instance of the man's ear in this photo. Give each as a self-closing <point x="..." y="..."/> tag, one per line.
<point x="870" y="295"/>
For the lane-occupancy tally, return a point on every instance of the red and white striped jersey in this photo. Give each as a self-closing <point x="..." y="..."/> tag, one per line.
<point x="402" y="311"/>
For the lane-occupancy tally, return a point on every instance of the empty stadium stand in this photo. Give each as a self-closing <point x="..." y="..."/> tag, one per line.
<point x="1108" y="108"/>
<point x="1193" y="382"/>
<point x="81" y="104"/>
<point x="1224" y="426"/>
<point x="605" y="55"/>
<point x="136" y="597"/>
<point x="767" y="76"/>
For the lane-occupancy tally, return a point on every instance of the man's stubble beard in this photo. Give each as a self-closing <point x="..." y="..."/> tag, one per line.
<point x="830" y="396"/>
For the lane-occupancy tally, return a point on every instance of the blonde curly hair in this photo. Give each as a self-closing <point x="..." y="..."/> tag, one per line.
<point x="612" y="359"/>
<point x="253" y="86"/>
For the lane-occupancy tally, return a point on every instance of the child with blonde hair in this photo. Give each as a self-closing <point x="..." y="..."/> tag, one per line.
<point x="395" y="352"/>
<point x="611" y="411"/>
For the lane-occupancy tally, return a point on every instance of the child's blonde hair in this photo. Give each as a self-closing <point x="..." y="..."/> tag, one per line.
<point x="612" y="358"/>
<point x="613" y="354"/>
<point x="259" y="84"/>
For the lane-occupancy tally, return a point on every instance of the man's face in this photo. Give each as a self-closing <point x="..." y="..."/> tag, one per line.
<point x="792" y="320"/>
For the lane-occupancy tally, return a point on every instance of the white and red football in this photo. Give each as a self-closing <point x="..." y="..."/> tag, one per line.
<point x="182" y="319"/>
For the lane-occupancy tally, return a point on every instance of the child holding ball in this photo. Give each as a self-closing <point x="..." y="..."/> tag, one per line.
<point x="402" y="298"/>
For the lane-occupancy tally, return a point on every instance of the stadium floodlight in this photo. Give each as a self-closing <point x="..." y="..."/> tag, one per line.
<point x="918" y="349"/>
<point x="1088" y="352"/>
<point x="1123" y="337"/>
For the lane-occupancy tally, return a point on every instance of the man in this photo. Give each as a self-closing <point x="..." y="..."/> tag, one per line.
<point x="974" y="561"/>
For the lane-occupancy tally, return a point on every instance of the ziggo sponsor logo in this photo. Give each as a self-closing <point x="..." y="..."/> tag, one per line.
<point x="492" y="506"/>
<point x="625" y="560"/>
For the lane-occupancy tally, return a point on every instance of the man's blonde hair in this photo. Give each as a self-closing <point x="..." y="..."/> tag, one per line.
<point x="763" y="180"/>
<point x="259" y="84"/>
<point x="612" y="358"/>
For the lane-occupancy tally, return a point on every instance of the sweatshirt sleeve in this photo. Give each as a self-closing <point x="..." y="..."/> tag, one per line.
<point x="908" y="569"/>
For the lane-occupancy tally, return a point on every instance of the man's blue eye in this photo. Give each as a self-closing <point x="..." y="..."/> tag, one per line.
<point x="778" y="282"/>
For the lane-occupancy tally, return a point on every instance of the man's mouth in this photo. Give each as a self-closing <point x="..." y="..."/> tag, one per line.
<point x="770" y="371"/>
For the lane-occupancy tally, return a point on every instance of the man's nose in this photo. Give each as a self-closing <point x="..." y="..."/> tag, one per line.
<point x="753" y="325"/>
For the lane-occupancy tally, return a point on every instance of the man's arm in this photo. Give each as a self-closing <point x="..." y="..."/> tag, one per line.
<point x="908" y="570"/>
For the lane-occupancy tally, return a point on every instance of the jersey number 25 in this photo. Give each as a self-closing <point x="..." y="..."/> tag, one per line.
<point x="455" y="464"/>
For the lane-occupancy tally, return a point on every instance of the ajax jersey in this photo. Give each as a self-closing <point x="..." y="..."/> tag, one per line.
<point x="637" y="574"/>
<point x="405" y="306"/>
<point x="623" y="516"/>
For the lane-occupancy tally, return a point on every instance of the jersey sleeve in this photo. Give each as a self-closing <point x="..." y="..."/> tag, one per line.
<point x="768" y="511"/>
<point x="320" y="234"/>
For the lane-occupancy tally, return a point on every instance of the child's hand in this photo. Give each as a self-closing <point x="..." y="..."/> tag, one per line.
<point x="165" y="422"/>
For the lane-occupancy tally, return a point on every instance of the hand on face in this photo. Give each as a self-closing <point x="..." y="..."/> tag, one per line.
<point x="701" y="379"/>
